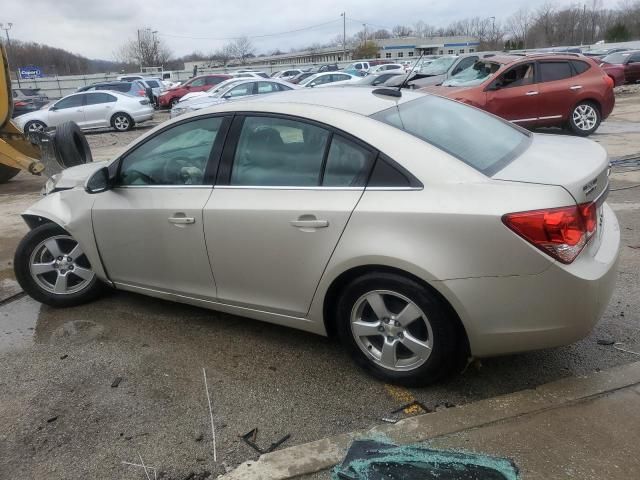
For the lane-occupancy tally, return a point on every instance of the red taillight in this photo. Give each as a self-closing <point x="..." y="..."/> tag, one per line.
<point x="560" y="232"/>
<point x="142" y="93"/>
<point x="609" y="81"/>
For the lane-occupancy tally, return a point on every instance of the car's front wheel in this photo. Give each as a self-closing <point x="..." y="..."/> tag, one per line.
<point x="122" y="122"/>
<point x="51" y="267"/>
<point x="34" y="126"/>
<point x="397" y="329"/>
<point x="585" y="119"/>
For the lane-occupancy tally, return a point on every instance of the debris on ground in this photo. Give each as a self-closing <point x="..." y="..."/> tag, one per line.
<point x="52" y="419"/>
<point x="116" y="382"/>
<point x="379" y="460"/>
<point x="606" y="341"/>
<point x="250" y="439"/>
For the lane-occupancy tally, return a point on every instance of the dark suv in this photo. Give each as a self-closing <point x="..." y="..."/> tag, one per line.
<point x="536" y="90"/>
<point x="134" y="87"/>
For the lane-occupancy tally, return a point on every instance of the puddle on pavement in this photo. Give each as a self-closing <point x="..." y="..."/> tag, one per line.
<point x="24" y="322"/>
<point x="18" y="321"/>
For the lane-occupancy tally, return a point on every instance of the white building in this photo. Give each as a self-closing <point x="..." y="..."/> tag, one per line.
<point x="409" y="47"/>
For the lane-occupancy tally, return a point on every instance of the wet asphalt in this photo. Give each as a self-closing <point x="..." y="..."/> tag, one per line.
<point x="64" y="414"/>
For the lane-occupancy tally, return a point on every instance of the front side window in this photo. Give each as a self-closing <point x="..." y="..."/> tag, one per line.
<point x="488" y="143"/>
<point x="99" y="97"/>
<point x="177" y="156"/>
<point x="241" y="90"/>
<point x="69" y="102"/>
<point x="517" y="76"/>
<point x="278" y="152"/>
<point x="552" y="71"/>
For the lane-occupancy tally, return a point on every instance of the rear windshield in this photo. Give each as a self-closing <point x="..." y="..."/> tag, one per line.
<point x="152" y="83"/>
<point x="480" y="140"/>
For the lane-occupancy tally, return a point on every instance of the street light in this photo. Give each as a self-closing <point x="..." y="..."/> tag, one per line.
<point x="493" y="33"/>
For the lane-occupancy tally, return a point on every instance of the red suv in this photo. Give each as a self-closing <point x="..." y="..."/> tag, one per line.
<point x="195" y="84"/>
<point x="536" y="90"/>
<point x="623" y="67"/>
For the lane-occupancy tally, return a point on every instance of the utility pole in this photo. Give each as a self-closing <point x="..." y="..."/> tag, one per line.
<point x="6" y="27"/>
<point x="139" y="50"/>
<point x="584" y="18"/>
<point x="155" y="47"/>
<point x="493" y="33"/>
<point x="344" y="36"/>
<point x="364" y="37"/>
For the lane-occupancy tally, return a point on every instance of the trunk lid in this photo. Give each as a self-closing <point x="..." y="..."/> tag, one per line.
<point x="578" y="165"/>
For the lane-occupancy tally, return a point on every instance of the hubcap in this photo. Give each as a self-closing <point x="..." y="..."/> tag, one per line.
<point x="121" y="123"/>
<point x="585" y="117"/>
<point x="391" y="330"/>
<point x="36" y="127"/>
<point x="59" y="266"/>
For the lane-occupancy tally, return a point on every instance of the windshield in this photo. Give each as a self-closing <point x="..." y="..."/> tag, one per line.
<point x="474" y="75"/>
<point x="619" y="57"/>
<point x="438" y="66"/>
<point x="488" y="144"/>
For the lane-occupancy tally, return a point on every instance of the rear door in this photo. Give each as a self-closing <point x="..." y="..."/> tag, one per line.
<point x="559" y="92"/>
<point x="514" y="95"/>
<point x="283" y="198"/>
<point x="98" y="109"/>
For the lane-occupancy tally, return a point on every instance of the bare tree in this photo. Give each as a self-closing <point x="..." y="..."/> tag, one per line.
<point x="402" y="31"/>
<point x="147" y="50"/>
<point x="380" y="34"/>
<point x="224" y="54"/>
<point x="242" y="49"/>
<point x="518" y="26"/>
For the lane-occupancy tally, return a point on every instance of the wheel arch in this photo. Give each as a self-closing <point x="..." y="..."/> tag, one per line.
<point x="592" y="100"/>
<point x="343" y="279"/>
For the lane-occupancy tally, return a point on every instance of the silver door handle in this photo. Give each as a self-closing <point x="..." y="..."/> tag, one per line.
<point x="182" y="220"/>
<point x="309" y="223"/>
<point x="575" y="87"/>
<point x="529" y="94"/>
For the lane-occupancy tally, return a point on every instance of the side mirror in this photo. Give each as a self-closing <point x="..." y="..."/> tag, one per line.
<point x="53" y="108"/>
<point x="98" y="182"/>
<point x="312" y="84"/>
<point x="493" y="87"/>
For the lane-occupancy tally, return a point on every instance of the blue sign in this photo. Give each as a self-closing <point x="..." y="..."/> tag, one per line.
<point x="30" y="72"/>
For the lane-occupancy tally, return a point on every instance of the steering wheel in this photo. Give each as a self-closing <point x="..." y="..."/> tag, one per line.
<point x="173" y="170"/>
<point x="148" y="180"/>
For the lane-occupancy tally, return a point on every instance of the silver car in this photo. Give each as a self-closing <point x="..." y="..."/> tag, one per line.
<point x="349" y="212"/>
<point x="93" y="109"/>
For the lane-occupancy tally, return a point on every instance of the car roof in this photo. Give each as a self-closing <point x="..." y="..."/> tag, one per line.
<point x="356" y="100"/>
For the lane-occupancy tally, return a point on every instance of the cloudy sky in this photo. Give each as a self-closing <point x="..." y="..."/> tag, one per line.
<point x="96" y="28"/>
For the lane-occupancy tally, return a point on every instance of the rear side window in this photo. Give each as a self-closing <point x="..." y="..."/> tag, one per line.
<point x="118" y="87"/>
<point x="552" y="71"/>
<point x="152" y="83"/>
<point x="347" y="165"/>
<point x="279" y="152"/>
<point x="480" y="140"/>
<point x="580" y="66"/>
<point x="99" y="97"/>
<point x="214" y="80"/>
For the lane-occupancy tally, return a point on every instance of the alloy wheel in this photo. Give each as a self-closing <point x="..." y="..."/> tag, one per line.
<point x="585" y="117"/>
<point x="121" y="122"/>
<point x="391" y="330"/>
<point x="58" y="265"/>
<point x="35" y="127"/>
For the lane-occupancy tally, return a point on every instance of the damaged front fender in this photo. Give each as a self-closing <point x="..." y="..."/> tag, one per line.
<point x="71" y="210"/>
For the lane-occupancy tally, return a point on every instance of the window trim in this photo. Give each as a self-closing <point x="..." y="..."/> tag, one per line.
<point x="213" y="161"/>
<point x="233" y="137"/>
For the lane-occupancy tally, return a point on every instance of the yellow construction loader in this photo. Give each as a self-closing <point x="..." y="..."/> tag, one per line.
<point x="38" y="153"/>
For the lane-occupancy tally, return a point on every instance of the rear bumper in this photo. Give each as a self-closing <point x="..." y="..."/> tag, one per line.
<point x="559" y="306"/>
<point x="608" y="103"/>
<point x="143" y="116"/>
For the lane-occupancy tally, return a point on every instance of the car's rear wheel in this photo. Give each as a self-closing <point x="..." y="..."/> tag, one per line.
<point x="52" y="268"/>
<point x="34" y="126"/>
<point x="397" y="329"/>
<point x="585" y="119"/>
<point x="121" y="122"/>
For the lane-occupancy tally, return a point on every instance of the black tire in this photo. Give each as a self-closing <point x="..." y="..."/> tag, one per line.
<point x="584" y="118"/>
<point x="7" y="173"/>
<point x="71" y="145"/>
<point x="444" y="356"/>
<point x="22" y="267"/>
<point x="34" y="126"/>
<point x="122" y="122"/>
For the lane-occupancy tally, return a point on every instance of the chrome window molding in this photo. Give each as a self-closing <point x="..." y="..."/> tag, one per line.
<point x="163" y="186"/>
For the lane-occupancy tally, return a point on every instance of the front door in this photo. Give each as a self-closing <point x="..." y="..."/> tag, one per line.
<point x="514" y="95"/>
<point x="287" y="193"/>
<point x="149" y="227"/>
<point x="69" y="109"/>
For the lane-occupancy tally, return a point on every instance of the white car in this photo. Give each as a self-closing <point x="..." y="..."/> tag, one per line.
<point x="344" y="212"/>
<point x="387" y="68"/>
<point x="235" y="88"/>
<point x="287" y="74"/>
<point x="329" y="79"/>
<point x="212" y="90"/>
<point x="251" y="74"/>
<point x="101" y="109"/>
